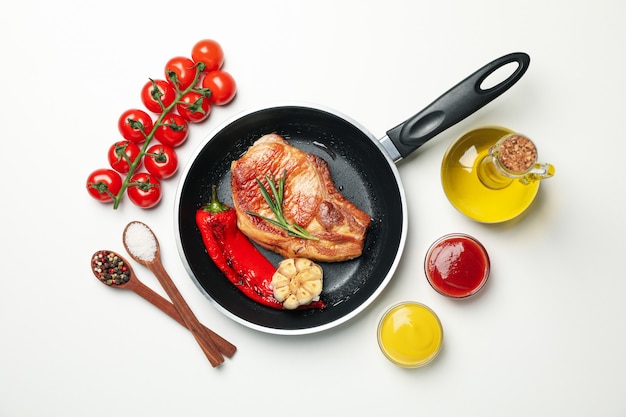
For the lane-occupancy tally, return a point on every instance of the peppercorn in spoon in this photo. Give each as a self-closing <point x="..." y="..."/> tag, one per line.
<point x="116" y="272"/>
<point x="142" y="245"/>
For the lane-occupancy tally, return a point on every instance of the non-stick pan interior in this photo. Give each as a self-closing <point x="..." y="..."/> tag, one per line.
<point x="360" y="171"/>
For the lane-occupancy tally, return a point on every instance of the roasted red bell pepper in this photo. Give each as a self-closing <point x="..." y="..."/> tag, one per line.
<point x="235" y="255"/>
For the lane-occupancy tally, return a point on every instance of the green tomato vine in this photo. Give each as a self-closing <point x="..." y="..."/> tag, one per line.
<point x="205" y="95"/>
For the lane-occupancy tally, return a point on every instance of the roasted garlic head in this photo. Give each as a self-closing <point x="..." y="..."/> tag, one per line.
<point x="297" y="282"/>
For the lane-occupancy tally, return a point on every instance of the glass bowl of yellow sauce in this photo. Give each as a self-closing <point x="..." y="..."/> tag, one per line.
<point x="410" y="334"/>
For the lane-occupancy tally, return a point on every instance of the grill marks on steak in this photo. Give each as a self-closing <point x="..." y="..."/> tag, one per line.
<point x="311" y="200"/>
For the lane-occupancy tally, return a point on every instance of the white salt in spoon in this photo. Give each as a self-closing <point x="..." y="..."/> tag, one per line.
<point x="142" y="245"/>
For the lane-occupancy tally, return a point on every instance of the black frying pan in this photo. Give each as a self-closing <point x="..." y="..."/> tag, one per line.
<point x="363" y="169"/>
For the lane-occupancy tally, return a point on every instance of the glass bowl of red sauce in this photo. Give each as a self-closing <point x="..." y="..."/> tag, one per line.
<point x="457" y="265"/>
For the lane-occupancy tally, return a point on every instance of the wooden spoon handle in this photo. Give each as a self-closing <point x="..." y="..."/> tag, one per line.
<point x="191" y="321"/>
<point x="139" y="288"/>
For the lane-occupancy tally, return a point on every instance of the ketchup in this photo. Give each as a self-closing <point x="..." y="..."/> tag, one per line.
<point x="457" y="265"/>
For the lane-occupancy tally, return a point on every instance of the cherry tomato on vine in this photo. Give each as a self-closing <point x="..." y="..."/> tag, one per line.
<point x="134" y="125"/>
<point x="103" y="184"/>
<point x="161" y="161"/>
<point x="144" y="190"/>
<point x="180" y="71"/>
<point x="210" y="53"/>
<point x="173" y="130"/>
<point x="123" y="153"/>
<point x="222" y="85"/>
<point x="157" y="94"/>
<point x="194" y="107"/>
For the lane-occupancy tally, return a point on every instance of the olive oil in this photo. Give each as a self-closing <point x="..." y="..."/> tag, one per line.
<point x="465" y="190"/>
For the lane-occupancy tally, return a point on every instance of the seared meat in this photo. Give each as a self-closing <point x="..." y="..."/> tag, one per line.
<point x="311" y="200"/>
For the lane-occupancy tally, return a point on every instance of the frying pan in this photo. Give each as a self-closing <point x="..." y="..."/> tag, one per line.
<point x="363" y="169"/>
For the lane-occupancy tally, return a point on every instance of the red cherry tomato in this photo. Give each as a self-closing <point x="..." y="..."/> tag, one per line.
<point x="173" y="130"/>
<point x="135" y="125"/>
<point x="222" y="85"/>
<point x="210" y="53"/>
<point x="144" y="190"/>
<point x="161" y="161"/>
<point x="123" y="153"/>
<point x="157" y="95"/>
<point x="180" y="71"/>
<point x="194" y="107"/>
<point x="104" y="184"/>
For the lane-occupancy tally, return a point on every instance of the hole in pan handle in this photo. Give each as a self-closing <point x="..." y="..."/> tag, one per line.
<point x="456" y="104"/>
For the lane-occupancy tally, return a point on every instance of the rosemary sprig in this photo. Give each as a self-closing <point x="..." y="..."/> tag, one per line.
<point x="275" y="202"/>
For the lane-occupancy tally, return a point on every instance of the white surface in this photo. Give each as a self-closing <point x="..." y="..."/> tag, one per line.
<point x="546" y="337"/>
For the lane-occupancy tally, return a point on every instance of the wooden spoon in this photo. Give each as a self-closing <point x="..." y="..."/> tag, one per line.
<point x="135" y="285"/>
<point x="142" y="245"/>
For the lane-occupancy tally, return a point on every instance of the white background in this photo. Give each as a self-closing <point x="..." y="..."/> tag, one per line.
<point x="545" y="337"/>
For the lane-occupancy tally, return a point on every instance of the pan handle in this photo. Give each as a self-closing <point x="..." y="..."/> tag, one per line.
<point x="455" y="105"/>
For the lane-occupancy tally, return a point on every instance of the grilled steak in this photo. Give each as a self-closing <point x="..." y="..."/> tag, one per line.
<point x="311" y="200"/>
